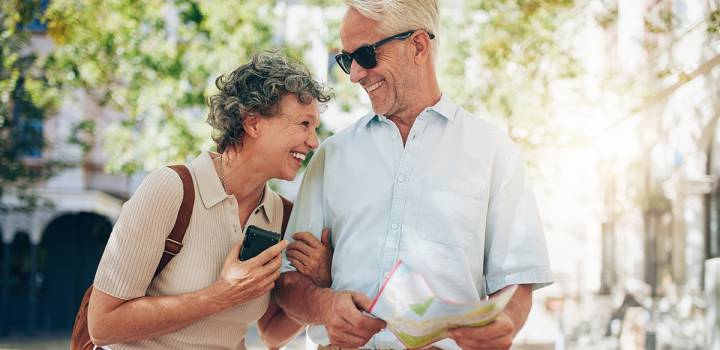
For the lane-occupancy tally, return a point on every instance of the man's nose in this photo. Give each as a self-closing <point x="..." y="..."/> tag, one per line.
<point x="357" y="72"/>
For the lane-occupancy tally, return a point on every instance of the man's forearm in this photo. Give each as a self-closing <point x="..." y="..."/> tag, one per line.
<point x="276" y="328"/>
<point x="302" y="300"/>
<point x="519" y="306"/>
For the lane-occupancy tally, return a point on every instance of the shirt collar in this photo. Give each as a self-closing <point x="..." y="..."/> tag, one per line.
<point x="208" y="182"/>
<point x="211" y="189"/>
<point x="267" y="204"/>
<point x="445" y="107"/>
<point x="372" y="117"/>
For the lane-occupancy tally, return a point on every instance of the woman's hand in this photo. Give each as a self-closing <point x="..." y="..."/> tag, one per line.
<point x="242" y="281"/>
<point x="311" y="257"/>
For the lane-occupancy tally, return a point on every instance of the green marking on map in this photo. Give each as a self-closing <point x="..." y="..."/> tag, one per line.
<point x="481" y="323"/>
<point x="420" y="309"/>
<point x="486" y="309"/>
<point x="412" y="341"/>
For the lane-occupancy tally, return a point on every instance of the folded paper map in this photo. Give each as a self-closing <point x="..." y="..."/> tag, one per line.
<point x="418" y="317"/>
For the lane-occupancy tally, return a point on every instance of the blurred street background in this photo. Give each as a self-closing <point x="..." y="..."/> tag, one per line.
<point x="614" y="102"/>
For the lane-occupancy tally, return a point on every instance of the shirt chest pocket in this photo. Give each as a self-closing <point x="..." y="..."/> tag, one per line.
<point x="451" y="211"/>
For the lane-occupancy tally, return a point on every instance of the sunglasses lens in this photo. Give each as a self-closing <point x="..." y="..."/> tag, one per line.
<point x="365" y="56"/>
<point x="344" y="61"/>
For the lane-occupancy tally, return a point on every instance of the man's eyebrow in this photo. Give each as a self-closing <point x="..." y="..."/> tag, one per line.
<point x="361" y="45"/>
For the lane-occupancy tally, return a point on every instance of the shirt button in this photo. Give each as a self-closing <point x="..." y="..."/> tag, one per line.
<point x="402" y="178"/>
<point x="395" y="226"/>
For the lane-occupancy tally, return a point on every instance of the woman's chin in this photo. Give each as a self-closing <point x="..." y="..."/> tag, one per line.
<point x="289" y="176"/>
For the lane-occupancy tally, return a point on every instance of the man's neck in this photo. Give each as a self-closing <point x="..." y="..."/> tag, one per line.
<point x="405" y="119"/>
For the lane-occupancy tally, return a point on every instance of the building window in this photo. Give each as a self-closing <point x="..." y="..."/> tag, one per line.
<point x="31" y="137"/>
<point x="713" y="200"/>
<point x="27" y="122"/>
<point x="38" y="24"/>
<point x="713" y="237"/>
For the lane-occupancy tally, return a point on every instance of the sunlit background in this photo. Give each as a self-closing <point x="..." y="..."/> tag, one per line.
<point x="615" y="103"/>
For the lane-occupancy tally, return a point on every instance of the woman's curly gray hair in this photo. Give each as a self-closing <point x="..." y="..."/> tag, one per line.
<point x="256" y="89"/>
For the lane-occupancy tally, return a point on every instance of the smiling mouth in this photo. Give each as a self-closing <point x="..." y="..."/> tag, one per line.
<point x="299" y="156"/>
<point x="375" y="86"/>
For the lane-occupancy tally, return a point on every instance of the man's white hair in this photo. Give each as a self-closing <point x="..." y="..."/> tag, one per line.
<point x="397" y="16"/>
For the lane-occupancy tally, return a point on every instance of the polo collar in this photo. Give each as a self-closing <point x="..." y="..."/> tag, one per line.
<point x="208" y="182"/>
<point x="267" y="204"/>
<point x="211" y="190"/>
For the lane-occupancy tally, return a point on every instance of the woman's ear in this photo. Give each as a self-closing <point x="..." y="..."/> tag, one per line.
<point x="251" y="124"/>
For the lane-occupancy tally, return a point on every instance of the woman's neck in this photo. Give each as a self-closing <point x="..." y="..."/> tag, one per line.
<point x="243" y="177"/>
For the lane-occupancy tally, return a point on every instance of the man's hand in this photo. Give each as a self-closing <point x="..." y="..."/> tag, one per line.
<point x="312" y="257"/>
<point x="497" y="335"/>
<point x="500" y="333"/>
<point x="346" y="325"/>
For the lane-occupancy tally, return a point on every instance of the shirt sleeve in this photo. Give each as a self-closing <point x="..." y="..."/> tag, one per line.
<point x="515" y="248"/>
<point x="308" y="211"/>
<point x="137" y="241"/>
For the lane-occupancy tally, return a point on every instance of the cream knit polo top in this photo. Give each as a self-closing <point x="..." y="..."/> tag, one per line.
<point x="137" y="242"/>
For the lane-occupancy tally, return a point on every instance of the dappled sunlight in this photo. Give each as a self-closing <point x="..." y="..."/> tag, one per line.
<point x="613" y="102"/>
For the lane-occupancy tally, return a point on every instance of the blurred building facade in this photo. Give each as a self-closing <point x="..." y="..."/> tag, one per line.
<point x="49" y="253"/>
<point x="659" y="249"/>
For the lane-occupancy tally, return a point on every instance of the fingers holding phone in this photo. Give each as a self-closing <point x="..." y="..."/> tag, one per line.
<point x="241" y="281"/>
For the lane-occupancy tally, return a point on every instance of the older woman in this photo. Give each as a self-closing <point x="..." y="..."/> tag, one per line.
<point x="264" y="119"/>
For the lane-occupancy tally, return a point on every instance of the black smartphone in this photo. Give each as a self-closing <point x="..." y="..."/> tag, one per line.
<point x="256" y="241"/>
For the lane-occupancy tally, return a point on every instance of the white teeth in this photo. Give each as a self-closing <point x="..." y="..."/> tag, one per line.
<point x="373" y="87"/>
<point x="298" y="155"/>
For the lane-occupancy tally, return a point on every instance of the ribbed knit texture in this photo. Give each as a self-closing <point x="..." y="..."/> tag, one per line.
<point x="137" y="241"/>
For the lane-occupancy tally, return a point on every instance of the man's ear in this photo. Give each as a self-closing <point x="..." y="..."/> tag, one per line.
<point x="421" y="44"/>
<point x="251" y="125"/>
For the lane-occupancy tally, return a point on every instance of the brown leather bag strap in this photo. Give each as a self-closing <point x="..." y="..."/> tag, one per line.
<point x="173" y="243"/>
<point x="287" y="209"/>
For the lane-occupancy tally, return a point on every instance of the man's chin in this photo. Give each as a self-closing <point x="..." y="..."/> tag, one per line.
<point x="379" y="110"/>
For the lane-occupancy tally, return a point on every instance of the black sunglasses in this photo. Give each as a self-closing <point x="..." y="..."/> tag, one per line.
<point x="365" y="55"/>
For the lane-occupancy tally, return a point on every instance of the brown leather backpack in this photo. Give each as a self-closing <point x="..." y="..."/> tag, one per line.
<point x="80" y="339"/>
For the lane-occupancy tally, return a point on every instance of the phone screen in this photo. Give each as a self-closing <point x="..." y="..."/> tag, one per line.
<point x="256" y="241"/>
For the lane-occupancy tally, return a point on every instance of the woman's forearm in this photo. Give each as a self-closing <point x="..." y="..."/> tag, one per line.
<point x="112" y="320"/>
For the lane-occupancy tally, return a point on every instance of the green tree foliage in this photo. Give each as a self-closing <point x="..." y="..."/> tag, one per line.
<point x="499" y="59"/>
<point x="26" y="97"/>
<point x="714" y="22"/>
<point x="154" y="61"/>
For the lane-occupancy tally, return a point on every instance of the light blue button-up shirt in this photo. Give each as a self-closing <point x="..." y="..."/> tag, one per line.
<point x="454" y="202"/>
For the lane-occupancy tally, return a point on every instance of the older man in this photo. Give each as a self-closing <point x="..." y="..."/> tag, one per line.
<point x="418" y="179"/>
